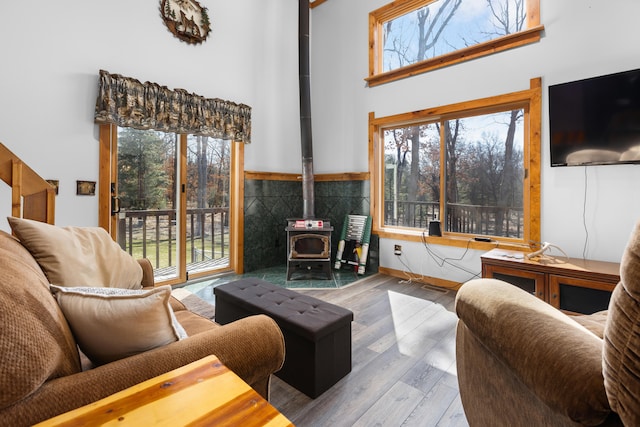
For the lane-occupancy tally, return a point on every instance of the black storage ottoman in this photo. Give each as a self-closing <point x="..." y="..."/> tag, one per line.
<point x="317" y="334"/>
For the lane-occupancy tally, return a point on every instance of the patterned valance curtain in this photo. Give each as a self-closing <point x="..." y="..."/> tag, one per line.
<point x="126" y="102"/>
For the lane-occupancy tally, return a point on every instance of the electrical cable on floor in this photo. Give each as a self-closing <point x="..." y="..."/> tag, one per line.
<point x="410" y="272"/>
<point x="441" y="261"/>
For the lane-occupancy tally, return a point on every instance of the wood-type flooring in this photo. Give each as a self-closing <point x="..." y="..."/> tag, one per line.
<point x="403" y="369"/>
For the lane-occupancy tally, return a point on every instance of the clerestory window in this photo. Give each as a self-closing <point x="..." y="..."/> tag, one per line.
<point x="472" y="166"/>
<point x="414" y="36"/>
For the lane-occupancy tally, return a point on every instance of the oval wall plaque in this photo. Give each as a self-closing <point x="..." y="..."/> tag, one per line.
<point x="186" y="19"/>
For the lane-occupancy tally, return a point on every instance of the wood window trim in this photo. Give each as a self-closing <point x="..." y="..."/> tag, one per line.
<point x="530" y="100"/>
<point x="236" y="238"/>
<point x="296" y="177"/>
<point x="106" y="169"/>
<point x="396" y="9"/>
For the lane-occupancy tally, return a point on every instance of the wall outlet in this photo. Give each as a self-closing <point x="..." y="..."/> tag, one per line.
<point x="397" y="249"/>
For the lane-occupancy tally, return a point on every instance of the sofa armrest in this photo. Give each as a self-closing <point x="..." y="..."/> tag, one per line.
<point x="147" y="273"/>
<point x="557" y="359"/>
<point x="252" y="347"/>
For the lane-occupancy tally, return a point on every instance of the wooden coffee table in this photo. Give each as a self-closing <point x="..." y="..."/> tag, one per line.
<point x="204" y="393"/>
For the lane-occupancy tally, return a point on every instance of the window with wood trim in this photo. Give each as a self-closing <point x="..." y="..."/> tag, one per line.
<point x="414" y="36"/>
<point x="473" y="166"/>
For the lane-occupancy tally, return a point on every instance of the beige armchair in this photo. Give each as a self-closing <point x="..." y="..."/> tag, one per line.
<point x="522" y="362"/>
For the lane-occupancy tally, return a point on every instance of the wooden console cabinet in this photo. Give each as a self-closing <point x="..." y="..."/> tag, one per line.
<point x="573" y="285"/>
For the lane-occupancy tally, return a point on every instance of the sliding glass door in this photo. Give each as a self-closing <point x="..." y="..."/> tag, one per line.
<point x="170" y="198"/>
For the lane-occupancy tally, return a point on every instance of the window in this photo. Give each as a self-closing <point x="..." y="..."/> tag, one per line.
<point x="473" y="166"/>
<point x="414" y="36"/>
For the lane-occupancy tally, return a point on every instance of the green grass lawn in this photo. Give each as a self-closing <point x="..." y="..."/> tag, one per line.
<point x="158" y="252"/>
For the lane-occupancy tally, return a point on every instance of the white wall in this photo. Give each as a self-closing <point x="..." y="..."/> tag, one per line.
<point x="582" y="38"/>
<point x="52" y="51"/>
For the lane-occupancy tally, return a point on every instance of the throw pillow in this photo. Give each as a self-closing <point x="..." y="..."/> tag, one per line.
<point x="77" y="256"/>
<point x="110" y="324"/>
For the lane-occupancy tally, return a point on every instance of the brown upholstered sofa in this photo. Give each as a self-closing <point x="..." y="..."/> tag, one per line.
<point x="521" y="362"/>
<point x="41" y="372"/>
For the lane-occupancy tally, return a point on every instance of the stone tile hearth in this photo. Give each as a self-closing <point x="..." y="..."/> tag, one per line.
<point x="268" y="205"/>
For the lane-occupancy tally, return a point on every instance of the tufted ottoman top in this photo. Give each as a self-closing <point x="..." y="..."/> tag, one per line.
<point x="304" y="315"/>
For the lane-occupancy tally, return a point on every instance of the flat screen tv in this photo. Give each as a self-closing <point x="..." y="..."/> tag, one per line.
<point x="596" y="121"/>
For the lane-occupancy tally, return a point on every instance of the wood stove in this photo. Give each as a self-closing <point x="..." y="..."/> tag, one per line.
<point x="308" y="239"/>
<point x="308" y="246"/>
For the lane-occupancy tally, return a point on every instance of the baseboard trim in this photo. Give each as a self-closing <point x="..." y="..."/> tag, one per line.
<point x="433" y="281"/>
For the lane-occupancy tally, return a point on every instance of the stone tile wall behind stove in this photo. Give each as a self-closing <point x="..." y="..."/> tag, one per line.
<point x="268" y="204"/>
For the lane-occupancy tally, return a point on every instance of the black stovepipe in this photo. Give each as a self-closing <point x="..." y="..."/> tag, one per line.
<point x="305" y="111"/>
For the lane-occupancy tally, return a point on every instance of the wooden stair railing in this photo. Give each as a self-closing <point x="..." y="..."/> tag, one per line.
<point x="31" y="196"/>
<point x="316" y="3"/>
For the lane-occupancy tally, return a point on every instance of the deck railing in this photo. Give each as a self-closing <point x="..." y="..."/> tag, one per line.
<point x="152" y="234"/>
<point x="460" y="218"/>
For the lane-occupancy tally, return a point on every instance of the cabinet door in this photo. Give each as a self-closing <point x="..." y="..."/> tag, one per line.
<point x="579" y="295"/>
<point x="530" y="281"/>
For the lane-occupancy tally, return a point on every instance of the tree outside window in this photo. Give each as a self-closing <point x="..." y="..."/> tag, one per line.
<point x="142" y="173"/>
<point x="414" y="36"/>
<point x="483" y="174"/>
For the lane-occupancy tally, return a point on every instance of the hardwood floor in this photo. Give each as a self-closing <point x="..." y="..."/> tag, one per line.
<point x="403" y="370"/>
